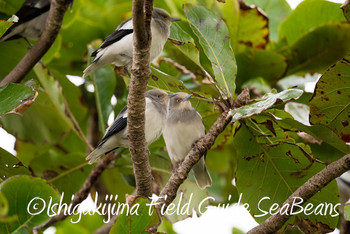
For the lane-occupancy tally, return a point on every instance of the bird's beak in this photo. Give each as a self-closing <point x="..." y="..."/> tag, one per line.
<point x="175" y="19"/>
<point x="186" y="98"/>
<point x="172" y="95"/>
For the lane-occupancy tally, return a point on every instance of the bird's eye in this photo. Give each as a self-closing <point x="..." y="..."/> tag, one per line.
<point x="178" y="100"/>
<point x="158" y="96"/>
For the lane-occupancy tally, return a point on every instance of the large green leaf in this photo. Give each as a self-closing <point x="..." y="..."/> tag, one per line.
<point x="215" y="45"/>
<point x="319" y="49"/>
<point x="28" y="198"/>
<point x="308" y="15"/>
<point x="135" y="223"/>
<point x="185" y="43"/>
<point x="253" y="28"/>
<point x="253" y="63"/>
<point x="104" y="82"/>
<point x="57" y="163"/>
<point x="16" y="98"/>
<point x="10" y="166"/>
<point x="276" y="10"/>
<point x="272" y="166"/>
<point x="230" y="12"/>
<point x="330" y="104"/>
<point x="264" y="103"/>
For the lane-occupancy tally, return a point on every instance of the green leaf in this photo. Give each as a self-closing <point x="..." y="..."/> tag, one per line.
<point x="185" y="43"/>
<point x="330" y="105"/>
<point x="276" y="10"/>
<point x="189" y="198"/>
<point x="346" y="10"/>
<point x="4" y="25"/>
<point x="253" y="28"/>
<point x="213" y="36"/>
<point x="320" y="132"/>
<point x="166" y="227"/>
<point x="104" y="82"/>
<point x="347" y="212"/>
<point x="273" y="166"/>
<point x="265" y="103"/>
<point x="308" y="15"/>
<point x="139" y="222"/>
<point x="319" y="49"/>
<point x="55" y="93"/>
<point x="230" y="12"/>
<point x="28" y="198"/>
<point x="253" y="63"/>
<point x="10" y="166"/>
<point x="16" y="98"/>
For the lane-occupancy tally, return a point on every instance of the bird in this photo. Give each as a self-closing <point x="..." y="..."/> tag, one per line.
<point x="183" y="127"/>
<point x="117" y="48"/>
<point x="31" y="21"/>
<point x="117" y="136"/>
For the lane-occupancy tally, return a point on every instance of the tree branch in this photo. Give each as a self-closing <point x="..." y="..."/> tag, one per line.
<point x="52" y="28"/>
<point x="305" y="192"/>
<point x="140" y="74"/>
<point x="82" y="194"/>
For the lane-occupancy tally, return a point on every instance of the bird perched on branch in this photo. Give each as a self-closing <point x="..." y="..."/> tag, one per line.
<point x="183" y="127"/>
<point x="31" y="21"/>
<point x="117" y="136"/>
<point x="117" y="48"/>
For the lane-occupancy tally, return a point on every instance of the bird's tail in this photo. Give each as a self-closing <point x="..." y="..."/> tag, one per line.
<point x="201" y="174"/>
<point x="95" y="155"/>
<point x="92" y="67"/>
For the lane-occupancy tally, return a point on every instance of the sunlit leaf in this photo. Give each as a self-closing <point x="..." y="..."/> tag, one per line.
<point x="216" y="45"/>
<point x="266" y="102"/>
<point x="276" y="10"/>
<point x="24" y="194"/>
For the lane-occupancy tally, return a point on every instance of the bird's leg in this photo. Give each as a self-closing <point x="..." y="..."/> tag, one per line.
<point x="127" y="72"/>
<point x="30" y="45"/>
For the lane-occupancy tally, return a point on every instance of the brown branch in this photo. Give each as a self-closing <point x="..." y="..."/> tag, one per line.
<point x="305" y="192"/>
<point x="140" y="74"/>
<point x="82" y="194"/>
<point x="52" y="28"/>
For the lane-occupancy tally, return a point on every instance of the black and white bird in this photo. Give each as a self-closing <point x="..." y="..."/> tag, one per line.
<point x="117" y="48"/>
<point x="117" y="136"/>
<point x="31" y="21"/>
<point x="183" y="127"/>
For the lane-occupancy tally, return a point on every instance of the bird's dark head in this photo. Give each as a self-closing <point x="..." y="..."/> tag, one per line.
<point x="158" y="95"/>
<point x="163" y="15"/>
<point x="180" y="101"/>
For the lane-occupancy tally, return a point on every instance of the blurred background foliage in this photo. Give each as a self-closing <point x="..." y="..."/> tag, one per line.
<point x="216" y="50"/>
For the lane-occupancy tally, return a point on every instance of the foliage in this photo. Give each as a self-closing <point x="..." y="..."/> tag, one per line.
<point x="216" y="50"/>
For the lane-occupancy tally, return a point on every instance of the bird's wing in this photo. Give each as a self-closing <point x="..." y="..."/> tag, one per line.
<point x="112" y="38"/>
<point x="118" y="125"/>
<point x="30" y="10"/>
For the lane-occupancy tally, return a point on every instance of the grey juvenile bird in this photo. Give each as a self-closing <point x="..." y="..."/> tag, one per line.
<point x="31" y="21"/>
<point x="183" y="127"/>
<point x="117" y="48"/>
<point x="117" y="136"/>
